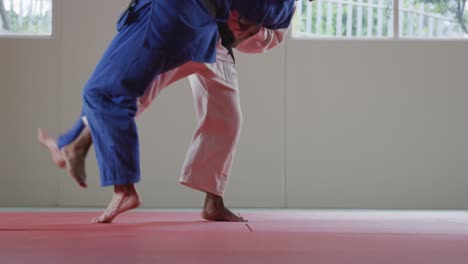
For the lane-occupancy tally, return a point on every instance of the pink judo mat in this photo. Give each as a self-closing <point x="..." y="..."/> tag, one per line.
<point x="277" y="237"/>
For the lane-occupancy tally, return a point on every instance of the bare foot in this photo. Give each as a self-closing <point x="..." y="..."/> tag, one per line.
<point x="125" y="198"/>
<point x="51" y="144"/>
<point x="214" y="210"/>
<point x="75" y="154"/>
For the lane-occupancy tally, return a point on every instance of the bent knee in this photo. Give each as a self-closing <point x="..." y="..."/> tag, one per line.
<point x="229" y="126"/>
<point x="91" y="97"/>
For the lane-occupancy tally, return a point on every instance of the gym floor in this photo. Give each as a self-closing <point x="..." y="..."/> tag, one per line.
<point x="271" y="236"/>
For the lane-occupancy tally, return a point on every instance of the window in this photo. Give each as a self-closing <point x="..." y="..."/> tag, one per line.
<point x="376" y="19"/>
<point x="25" y="17"/>
<point x="433" y="18"/>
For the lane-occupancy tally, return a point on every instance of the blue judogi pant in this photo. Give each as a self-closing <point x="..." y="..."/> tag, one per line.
<point x="110" y="101"/>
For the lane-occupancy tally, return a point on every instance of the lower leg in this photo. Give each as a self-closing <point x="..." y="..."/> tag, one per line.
<point x="125" y="198"/>
<point x="214" y="210"/>
<point x="75" y="154"/>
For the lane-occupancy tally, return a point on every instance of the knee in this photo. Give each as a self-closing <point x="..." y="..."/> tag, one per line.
<point x="88" y="96"/>
<point x="225" y="125"/>
<point x="94" y="102"/>
<point x="233" y="122"/>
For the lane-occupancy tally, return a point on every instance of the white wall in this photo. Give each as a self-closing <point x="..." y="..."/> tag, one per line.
<point x="369" y="124"/>
<point x="30" y="90"/>
<point x="377" y="124"/>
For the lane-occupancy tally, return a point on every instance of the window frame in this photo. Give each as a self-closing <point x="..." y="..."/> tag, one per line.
<point x="30" y="36"/>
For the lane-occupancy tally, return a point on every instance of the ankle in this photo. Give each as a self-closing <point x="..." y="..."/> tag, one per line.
<point x="213" y="201"/>
<point x="82" y="143"/>
<point x="77" y="147"/>
<point x="120" y="189"/>
<point x="125" y="189"/>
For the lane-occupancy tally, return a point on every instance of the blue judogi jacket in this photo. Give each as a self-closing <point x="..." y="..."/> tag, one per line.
<point x="184" y="29"/>
<point x="272" y="14"/>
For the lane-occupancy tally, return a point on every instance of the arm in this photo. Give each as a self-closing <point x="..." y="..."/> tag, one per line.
<point x="264" y="40"/>
<point x="253" y="38"/>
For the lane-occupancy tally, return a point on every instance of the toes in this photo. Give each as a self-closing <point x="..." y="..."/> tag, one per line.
<point x="239" y="218"/>
<point x="82" y="182"/>
<point x="100" y="220"/>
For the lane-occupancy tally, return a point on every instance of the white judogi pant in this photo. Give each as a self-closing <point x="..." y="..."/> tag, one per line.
<point x="216" y="93"/>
